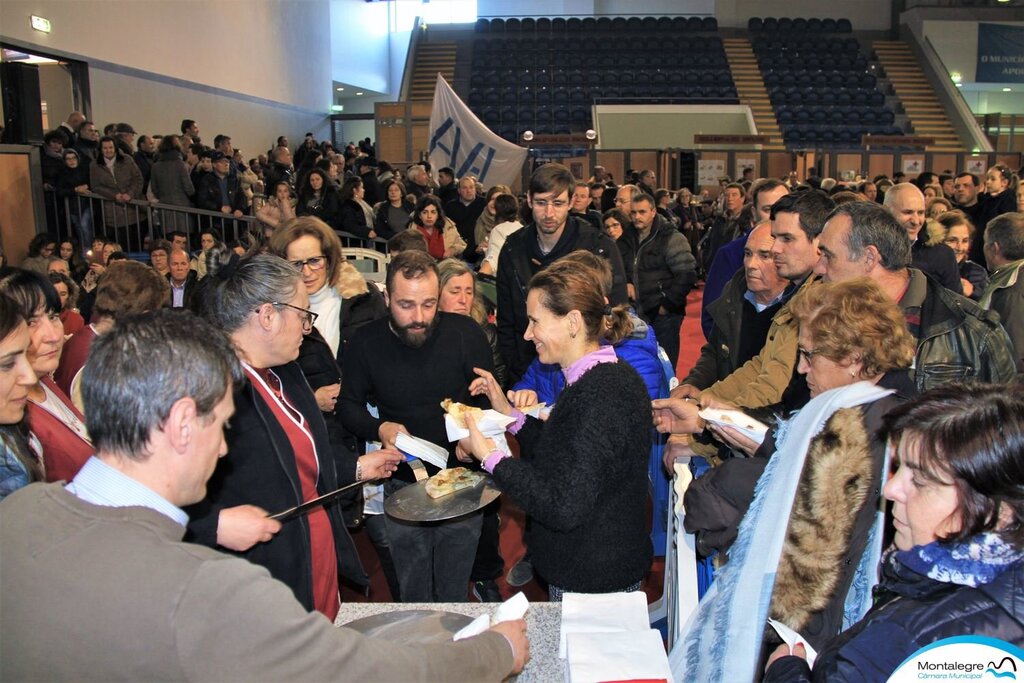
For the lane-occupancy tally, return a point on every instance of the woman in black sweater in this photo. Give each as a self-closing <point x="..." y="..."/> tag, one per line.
<point x="582" y="476"/>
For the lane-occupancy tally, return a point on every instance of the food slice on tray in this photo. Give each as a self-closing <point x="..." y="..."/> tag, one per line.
<point x="447" y="482"/>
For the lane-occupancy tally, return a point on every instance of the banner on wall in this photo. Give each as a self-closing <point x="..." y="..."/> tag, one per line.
<point x="462" y="141"/>
<point x="1000" y="54"/>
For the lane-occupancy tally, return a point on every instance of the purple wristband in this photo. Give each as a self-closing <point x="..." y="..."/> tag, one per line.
<point x="520" y="417"/>
<point x="492" y="459"/>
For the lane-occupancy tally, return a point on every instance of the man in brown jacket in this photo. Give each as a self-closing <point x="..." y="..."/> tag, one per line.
<point x="97" y="584"/>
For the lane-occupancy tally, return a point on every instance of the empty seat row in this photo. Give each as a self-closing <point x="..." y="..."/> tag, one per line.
<point x="771" y="25"/>
<point x="827" y="97"/>
<point x="836" y="116"/>
<point x="830" y="78"/>
<point x="597" y="25"/>
<point x="607" y="60"/>
<point x="687" y="44"/>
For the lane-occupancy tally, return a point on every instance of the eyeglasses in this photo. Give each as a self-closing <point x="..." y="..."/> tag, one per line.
<point x="545" y="203"/>
<point x="807" y="354"/>
<point x="315" y="263"/>
<point x="308" y="317"/>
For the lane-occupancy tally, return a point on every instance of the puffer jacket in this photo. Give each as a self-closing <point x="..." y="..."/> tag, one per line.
<point x="664" y="270"/>
<point x="959" y="340"/>
<point x="913" y="611"/>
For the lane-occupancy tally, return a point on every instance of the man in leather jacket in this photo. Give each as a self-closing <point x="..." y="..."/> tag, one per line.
<point x="956" y="339"/>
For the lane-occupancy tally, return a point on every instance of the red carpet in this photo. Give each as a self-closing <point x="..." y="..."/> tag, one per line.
<point x="512" y="549"/>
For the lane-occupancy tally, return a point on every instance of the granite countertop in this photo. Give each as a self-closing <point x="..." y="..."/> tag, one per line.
<point x="543" y="622"/>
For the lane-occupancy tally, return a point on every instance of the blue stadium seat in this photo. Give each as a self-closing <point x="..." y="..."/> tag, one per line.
<point x="543" y="25"/>
<point x="755" y="24"/>
<point x="529" y="25"/>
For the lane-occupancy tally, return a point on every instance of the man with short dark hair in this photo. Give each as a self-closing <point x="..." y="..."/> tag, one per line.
<point x="551" y="235"/>
<point x="133" y="600"/>
<point x="367" y="168"/>
<point x="725" y="227"/>
<point x="144" y="157"/>
<point x="222" y="143"/>
<point x="581" y="205"/>
<point x="447" y="191"/>
<point x="465" y="210"/>
<point x="664" y="272"/>
<point x="1004" y="250"/>
<point x="956" y="339"/>
<point x="191" y="129"/>
<point x="88" y="141"/>
<point x="406" y="364"/>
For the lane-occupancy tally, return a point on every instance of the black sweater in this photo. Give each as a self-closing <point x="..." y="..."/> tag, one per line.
<point x="407" y="385"/>
<point x="583" y="480"/>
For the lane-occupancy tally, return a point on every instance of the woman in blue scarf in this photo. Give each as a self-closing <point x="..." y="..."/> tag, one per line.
<point x="957" y="562"/>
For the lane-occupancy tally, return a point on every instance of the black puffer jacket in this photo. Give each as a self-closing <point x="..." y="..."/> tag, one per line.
<point x="913" y="611"/>
<point x="664" y="270"/>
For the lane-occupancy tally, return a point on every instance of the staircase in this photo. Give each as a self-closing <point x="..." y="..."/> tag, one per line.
<point x="923" y="108"/>
<point x="430" y="60"/>
<point x="750" y="88"/>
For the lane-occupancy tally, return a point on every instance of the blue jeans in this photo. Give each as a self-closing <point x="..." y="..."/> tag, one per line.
<point x="433" y="560"/>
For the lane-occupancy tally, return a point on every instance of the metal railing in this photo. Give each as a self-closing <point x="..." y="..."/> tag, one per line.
<point x="134" y="224"/>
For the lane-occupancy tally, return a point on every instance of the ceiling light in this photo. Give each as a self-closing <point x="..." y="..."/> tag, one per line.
<point x="340" y="89"/>
<point x="359" y="93"/>
<point x="959" y="85"/>
<point x="1006" y="90"/>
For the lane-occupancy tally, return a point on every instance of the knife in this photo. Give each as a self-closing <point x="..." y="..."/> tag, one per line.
<point x="292" y="513"/>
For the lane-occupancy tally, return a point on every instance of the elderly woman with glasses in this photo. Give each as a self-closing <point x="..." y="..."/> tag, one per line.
<point x="280" y="455"/>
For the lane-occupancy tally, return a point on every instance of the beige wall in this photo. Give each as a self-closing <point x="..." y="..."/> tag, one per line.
<point x="155" y="62"/>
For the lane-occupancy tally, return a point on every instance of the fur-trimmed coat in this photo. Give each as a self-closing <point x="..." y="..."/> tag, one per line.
<point x="930" y="254"/>
<point x="836" y="501"/>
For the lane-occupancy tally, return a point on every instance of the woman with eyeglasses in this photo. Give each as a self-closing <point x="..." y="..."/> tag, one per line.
<point x="854" y="350"/>
<point x="281" y="453"/>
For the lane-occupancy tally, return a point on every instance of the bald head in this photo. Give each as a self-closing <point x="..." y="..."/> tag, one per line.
<point x="763" y="280"/>
<point x="906" y="203"/>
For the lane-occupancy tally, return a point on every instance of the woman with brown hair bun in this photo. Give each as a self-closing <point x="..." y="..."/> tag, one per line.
<point x="582" y="476"/>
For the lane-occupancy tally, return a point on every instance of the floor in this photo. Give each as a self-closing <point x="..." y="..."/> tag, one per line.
<point x="691" y="340"/>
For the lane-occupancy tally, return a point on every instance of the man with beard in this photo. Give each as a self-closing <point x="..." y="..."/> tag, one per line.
<point x="406" y="364"/>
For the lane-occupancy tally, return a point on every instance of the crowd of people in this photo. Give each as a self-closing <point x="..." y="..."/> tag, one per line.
<point x="852" y="318"/>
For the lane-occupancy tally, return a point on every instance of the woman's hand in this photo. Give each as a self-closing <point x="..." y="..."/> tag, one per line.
<point x="379" y="464"/>
<point x="476" y="444"/>
<point x="488" y="386"/>
<point x="327" y="397"/>
<point x="734" y="439"/>
<point x="523" y="398"/>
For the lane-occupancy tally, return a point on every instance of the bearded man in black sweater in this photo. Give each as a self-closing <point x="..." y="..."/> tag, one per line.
<point x="406" y="364"/>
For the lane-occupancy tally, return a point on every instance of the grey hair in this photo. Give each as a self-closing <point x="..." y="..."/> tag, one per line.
<point x="1008" y="230"/>
<point x="873" y="225"/>
<point x="143" y="366"/>
<point x="236" y="293"/>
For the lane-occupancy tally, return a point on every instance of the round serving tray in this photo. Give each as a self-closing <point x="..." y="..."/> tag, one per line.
<point x="412" y="504"/>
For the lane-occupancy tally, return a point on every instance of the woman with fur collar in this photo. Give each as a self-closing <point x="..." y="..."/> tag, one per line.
<point x="957" y="562"/>
<point x="849" y="333"/>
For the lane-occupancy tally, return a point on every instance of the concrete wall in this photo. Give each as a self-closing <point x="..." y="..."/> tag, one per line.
<point x="154" y="63"/>
<point x="585" y="8"/>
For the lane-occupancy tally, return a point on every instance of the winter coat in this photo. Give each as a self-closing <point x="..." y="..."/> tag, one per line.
<point x="912" y="611"/>
<point x="169" y="180"/>
<point x="664" y="270"/>
<point x="1005" y="296"/>
<point x="124" y="178"/>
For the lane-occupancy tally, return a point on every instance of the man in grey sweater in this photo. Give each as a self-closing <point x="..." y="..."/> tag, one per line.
<point x="97" y="584"/>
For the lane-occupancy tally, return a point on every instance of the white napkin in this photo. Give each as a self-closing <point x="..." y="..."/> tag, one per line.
<point x="791" y="638"/>
<point x="736" y="419"/>
<point x="491" y="424"/>
<point x="510" y="610"/>
<point x="422" y="449"/>
<point x="602" y="613"/>
<point x="681" y="482"/>
<point x="595" y="657"/>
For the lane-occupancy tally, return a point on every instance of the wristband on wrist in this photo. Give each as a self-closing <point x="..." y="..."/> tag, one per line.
<point x="359" y="471"/>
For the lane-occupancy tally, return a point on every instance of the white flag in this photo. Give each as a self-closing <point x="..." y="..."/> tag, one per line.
<point x="460" y="140"/>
